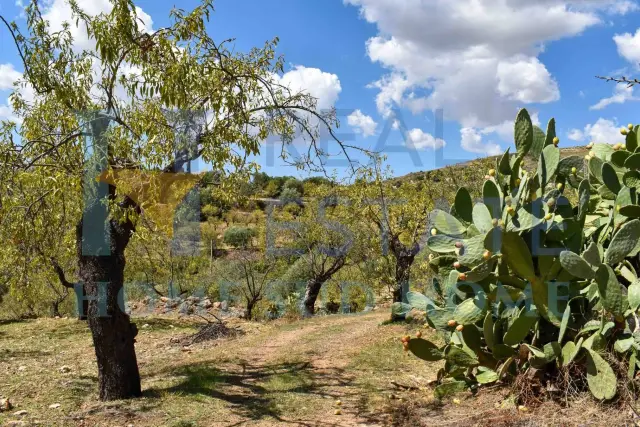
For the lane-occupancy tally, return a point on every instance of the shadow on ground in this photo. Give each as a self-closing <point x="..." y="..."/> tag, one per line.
<point x="249" y="389"/>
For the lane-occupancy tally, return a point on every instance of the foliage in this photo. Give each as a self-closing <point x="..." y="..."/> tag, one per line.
<point x="239" y="237"/>
<point x="531" y="282"/>
<point x="290" y="195"/>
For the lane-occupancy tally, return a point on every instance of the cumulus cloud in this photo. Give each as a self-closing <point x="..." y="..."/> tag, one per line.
<point x="471" y="140"/>
<point x="323" y="86"/>
<point x="58" y="12"/>
<point x="603" y="130"/>
<point x="8" y="75"/>
<point x="420" y="140"/>
<point x="362" y="123"/>
<point x="526" y="80"/>
<point x="475" y="59"/>
<point x="621" y="94"/>
<point x="629" y="46"/>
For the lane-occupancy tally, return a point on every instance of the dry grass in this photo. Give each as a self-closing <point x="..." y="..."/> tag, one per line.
<point x="274" y="374"/>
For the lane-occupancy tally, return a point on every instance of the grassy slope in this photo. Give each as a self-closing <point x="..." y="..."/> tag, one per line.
<point x="276" y="374"/>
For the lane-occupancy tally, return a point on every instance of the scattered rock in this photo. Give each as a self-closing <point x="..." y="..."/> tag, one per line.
<point x="224" y="306"/>
<point x="146" y="325"/>
<point x="164" y="299"/>
<point x="5" y="405"/>
<point x="16" y="424"/>
<point x="55" y="406"/>
<point x="22" y="368"/>
<point x="20" y="413"/>
<point x="65" y="369"/>
<point x="216" y="305"/>
<point x="206" y="303"/>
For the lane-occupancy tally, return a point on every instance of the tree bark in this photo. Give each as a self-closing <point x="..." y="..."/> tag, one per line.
<point x="102" y="277"/>
<point x="403" y="273"/>
<point x="310" y="297"/>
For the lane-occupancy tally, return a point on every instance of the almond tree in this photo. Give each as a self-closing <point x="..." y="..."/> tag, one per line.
<point x="116" y="107"/>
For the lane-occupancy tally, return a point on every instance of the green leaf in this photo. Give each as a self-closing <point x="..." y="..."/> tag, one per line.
<point x="464" y="204"/>
<point x="518" y="255"/>
<point x="486" y="376"/>
<point x="630" y="211"/>
<point x="520" y="328"/>
<point x="471" y="252"/>
<point x="471" y="310"/>
<point x="502" y="351"/>
<point x="632" y="366"/>
<point x="600" y="377"/>
<point x="523" y="133"/>
<point x="492" y="197"/>
<point x="631" y="179"/>
<point x="551" y="132"/>
<point x="575" y="265"/>
<point x="623" y="242"/>
<point x="633" y="161"/>
<point x="419" y="301"/>
<point x="548" y="164"/>
<point x="619" y="157"/>
<point x="634" y="295"/>
<point x="538" y="142"/>
<point x="593" y="254"/>
<point x="482" y="218"/>
<point x="425" y="350"/>
<point x="567" y="164"/>
<point x="610" y="291"/>
<point x="458" y="357"/>
<point x="447" y="223"/>
<point x="487" y="328"/>
<point x="595" y="167"/>
<point x="449" y="389"/>
<point x="442" y="244"/>
<point x="624" y="343"/>
<point x="568" y="353"/>
<point x="400" y="309"/>
<point x="565" y="322"/>
<point x="610" y="178"/>
<point x="503" y="166"/>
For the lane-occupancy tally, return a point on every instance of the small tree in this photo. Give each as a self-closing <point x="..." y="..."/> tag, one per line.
<point x="239" y="237"/>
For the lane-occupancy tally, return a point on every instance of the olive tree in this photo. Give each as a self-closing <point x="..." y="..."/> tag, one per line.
<point x="119" y="107"/>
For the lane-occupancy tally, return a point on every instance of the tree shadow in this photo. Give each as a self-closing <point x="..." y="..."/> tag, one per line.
<point x="244" y="387"/>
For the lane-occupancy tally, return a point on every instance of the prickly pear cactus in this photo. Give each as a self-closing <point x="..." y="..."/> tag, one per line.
<point x="542" y="272"/>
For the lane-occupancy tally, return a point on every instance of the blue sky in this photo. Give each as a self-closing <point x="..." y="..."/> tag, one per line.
<point x="478" y="60"/>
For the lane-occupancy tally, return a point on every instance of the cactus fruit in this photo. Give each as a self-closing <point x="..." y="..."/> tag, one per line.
<point x="451" y="323"/>
<point x="548" y="217"/>
<point x="494" y="222"/>
<point x="459" y="245"/>
<point x="418" y="334"/>
<point x="338" y="412"/>
<point x="618" y="146"/>
<point x="518" y="181"/>
<point x="338" y="402"/>
<point x="457" y="265"/>
<point x="624" y="131"/>
<point x="560" y="186"/>
<point x="492" y="172"/>
<point x="511" y="211"/>
<point x="574" y="171"/>
<point x="434" y="232"/>
<point x="459" y="328"/>
<point x="630" y="126"/>
<point x="551" y="202"/>
<point x="462" y="277"/>
<point x="486" y="255"/>
<point x="556" y="141"/>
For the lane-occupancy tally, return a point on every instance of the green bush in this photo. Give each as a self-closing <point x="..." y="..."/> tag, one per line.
<point x="532" y="284"/>
<point x="289" y="195"/>
<point x="239" y="237"/>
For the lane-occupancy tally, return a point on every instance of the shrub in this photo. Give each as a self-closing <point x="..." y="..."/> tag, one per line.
<point x="293" y="184"/>
<point x="531" y="283"/>
<point x="239" y="237"/>
<point x="290" y="195"/>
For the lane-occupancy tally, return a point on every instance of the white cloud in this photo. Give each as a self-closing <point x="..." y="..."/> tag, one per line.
<point x="59" y="12"/>
<point x="621" y="94"/>
<point x="8" y="75"/>
<point x="471" y="140"/>
<point x="419" y="140"/>
<point x="475" y="59"/>
<point x="576" y="135"/>
<point x="323" y="86"/>
<point x="629" y="46"/>
<point x="526" y="80"/>
<point x="362" y="123"/>
<point x="603" y="130"/>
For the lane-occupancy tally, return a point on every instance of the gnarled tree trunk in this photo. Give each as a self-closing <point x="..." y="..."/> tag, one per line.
<point x="311" y="295"/>
<point x="113" y="334"/>
<point x="404" y="260"/>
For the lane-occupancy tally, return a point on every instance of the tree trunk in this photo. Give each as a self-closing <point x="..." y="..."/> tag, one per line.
<point x="310" y="297"/>
<point x="113" y="334"/>
<point x="403" y="273"/>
